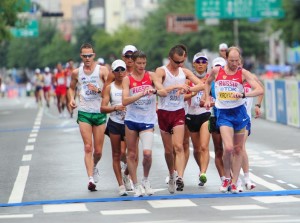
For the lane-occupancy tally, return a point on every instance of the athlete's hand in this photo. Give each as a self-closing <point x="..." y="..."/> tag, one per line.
<point x="207" y="104"/>
<point x="257" y="112"/>
<point x="92" y="87"/>
<point x="72" y="104"/>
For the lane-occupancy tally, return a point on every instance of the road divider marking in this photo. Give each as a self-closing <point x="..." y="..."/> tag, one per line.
<point x="26" y="157"/>
<point x="29" y="148"/>
<point x="19" y="186"/>
<point x="158" y="197"/>
<point x="125" y="212"/>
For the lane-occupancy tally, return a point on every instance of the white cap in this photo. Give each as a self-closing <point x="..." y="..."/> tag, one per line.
<point x="219" y="61"/>
<point x="129" y="48"/>
<point x="199" y="55"/>
<point x="223" y="46"/>
<point x="47" y="69"/>
<point x="37" y="71"/>
<point x="100" y="60"/>
<point x="118" y="63"/>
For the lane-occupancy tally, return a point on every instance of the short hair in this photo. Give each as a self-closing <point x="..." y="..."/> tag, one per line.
<point x="179" y="49"/>
<point x="138" y="54"/>
<point x="86" y="46"/>
<point x="231" y="49"/>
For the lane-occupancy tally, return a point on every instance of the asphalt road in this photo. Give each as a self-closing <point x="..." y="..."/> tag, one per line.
<point x="43" y="178"/>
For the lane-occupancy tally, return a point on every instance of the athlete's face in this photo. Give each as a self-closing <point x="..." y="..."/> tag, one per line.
<point x="233" y="60"/>
<point x="87" y="55"/>
<point x="127" y="58"/>
<point x="140" y="65"/>
<point x="200" y="65"/>
<point x="177" y="61"/>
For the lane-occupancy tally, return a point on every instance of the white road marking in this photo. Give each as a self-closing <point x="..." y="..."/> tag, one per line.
<point x="295" y="164"/>
<point x="29" y="148"/>
<point x="281" y="181"/>
<point x="19" y="186"/>
<point x="27" y="157"/>
<point x="35" y="130"/>
<point x="59" y="208"/>
<point x="269" y="176"/>
<point x="31" y="140"/>
<point x="172" y="203"/>
<point x="125" y="212"/>
<point x="16" y="216"/>
<point x="277" y="199"/>
<point x="36" y="127"/>
<point x="238" y="207"/>
<point x="292" y="186"/>
<point x="37" y="123"/>
<point x="261" y="181"/>
<point x="33" y="135"/>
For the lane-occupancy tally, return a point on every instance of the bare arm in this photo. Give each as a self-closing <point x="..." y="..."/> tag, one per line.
<point x="199" y="86"/>
<point x="71" y="91"/>
<point x="161" y="91"/>
<point x="257" y="89"/>
<point x="105" y="108"/>
<point x="126" y="98"/>
<point x="109" y="80"/>
<point x="207" y="86"/>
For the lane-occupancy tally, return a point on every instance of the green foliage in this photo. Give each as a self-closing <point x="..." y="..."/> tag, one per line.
<point x="290" y="24"/>
<point x="8" y="16"/>
<point x="110" y="47"/>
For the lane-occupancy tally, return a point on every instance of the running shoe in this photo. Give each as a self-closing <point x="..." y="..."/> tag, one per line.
<point x="234" y="189"/>
<point x="202" y="179"/>
<point x="225" y="185"/>
<point x="122" y="191"/>
<point x="180" y="184"/>
<point x="167" y="179"/>
<point x="148" y="190"/>
<point x="249" y="185"/>
<point x="96" y="174"/>
<point x="127" y="182"/>
<point x="172" y="185"/>
<point x="239" y="185"/>
<point x="92" y="186"/>
<point x="138" y="191"/>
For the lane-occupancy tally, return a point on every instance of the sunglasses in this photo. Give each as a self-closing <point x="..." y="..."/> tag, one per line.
<point x="128" y="56"/>
<point x="87" y="55"/>
<point x="119" y="69"/>
<point x="201" y="61"/>
<point x="223" y="50"/>
<point x="177" y="62"/>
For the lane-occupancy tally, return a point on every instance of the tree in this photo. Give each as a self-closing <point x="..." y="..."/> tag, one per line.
<point x="9" y="10"/>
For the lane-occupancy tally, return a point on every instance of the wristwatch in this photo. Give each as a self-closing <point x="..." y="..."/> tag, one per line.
<point x="258" y="105"/>
<point x="99" y="91"/>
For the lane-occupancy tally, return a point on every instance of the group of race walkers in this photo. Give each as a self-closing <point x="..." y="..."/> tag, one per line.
<point x="186" y="104"/>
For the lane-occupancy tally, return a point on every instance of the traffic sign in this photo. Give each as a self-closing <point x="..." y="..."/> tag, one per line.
<point x="30" y="30"/>
<point x="237" y="9"/>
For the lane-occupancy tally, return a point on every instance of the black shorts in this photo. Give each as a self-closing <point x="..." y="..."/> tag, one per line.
<point x="115" y="128"/>
<point x="212" y="125"/>
<point x="194" y="122"/>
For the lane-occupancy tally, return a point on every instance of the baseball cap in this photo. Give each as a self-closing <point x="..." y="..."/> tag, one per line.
<point x="100" y="60"/>
<point x="199" y="55"/>
<point x="223" y="46"/>
<point x="129" y="48"/>
<point x="47" y="69"/>
<point x="219" y="61"/>
<point x="118" y="63"/>
<point x="37" y="71"/>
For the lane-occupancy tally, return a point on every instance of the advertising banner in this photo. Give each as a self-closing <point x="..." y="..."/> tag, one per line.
<point x="292" y="102"/>
<point x="280" y="95"/>
<point x="270" y="103"/>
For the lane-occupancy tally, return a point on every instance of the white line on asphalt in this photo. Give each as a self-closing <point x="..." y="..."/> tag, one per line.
<point x="29" y="148"/>
<point x="19" y="186"/>
<point x="35" y="130"/>
<point x="123" y="212"/>
<point x="30" y="140"/>
<point x="26" y="157"/>
<point x="238" y="207"/>
<point x="269" y="176"/>
<point x="64" y="208"/>
<point x="292" y="185"/>
<point x="281" y="181"/>
<point x="33" y="135"/>
<point x="16" y="216"/>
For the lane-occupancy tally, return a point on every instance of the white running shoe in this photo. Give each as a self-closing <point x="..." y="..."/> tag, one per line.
<point x="96" y="174"/>
<point x="122" y="191"/>
<point x="239" y="185"/>
<point x="172" y="185"/>
<point x="249" y="185"/>
<point x="147" y="186"/>
<point x="127" y="182"/>
<point x="138" y="191"/>
<point x="167" y="179"/>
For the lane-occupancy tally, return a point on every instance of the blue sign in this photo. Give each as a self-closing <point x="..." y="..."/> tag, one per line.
<point x="280" y="95"/>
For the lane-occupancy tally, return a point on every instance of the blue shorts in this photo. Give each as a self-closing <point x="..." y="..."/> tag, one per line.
<point x="138" y="127"/>
<point x="236" y="118"/>
<point x="248" y="127"/>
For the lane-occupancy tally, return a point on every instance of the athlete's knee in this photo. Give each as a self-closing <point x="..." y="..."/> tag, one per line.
<point x="88" y="148"/>
<point x="131" y="156"/>
<point x="147" y="155"/>
<point x="178" y="147"/>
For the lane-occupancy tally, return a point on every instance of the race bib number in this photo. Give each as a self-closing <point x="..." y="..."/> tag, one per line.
<point x="196" y="99"/>
<point x="61" y="81"/>
<point x="174" y="99"/>
<point x="226" y="96"/>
